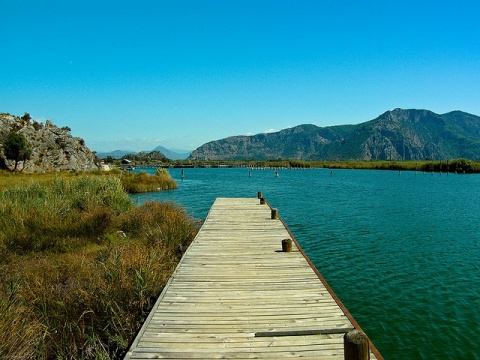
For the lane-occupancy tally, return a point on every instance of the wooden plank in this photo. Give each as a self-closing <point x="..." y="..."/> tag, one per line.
<point x="155" y="339"/>
<point x="236" y="295"/>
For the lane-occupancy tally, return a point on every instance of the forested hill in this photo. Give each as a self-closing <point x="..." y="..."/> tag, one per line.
<point x="395" y="135"/>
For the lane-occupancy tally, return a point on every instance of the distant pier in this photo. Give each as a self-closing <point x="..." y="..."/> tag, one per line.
<point x="244" y="289"/>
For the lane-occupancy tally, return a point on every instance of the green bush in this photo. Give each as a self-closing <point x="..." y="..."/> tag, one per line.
<point x="16" y="148"/>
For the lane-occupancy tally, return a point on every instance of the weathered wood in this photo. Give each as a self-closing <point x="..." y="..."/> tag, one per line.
<point x="356" y="346"/>
<point x="236" y="295"/>
<point x="302" y="332"/>
<point x="287" y="245"/>
<point x="274" y="214"/>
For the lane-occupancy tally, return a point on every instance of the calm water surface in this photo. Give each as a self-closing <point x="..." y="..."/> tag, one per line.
<point x="400" y="250"/>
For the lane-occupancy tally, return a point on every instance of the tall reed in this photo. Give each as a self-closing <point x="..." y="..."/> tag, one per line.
<point x="80" y="266"/>
<point x="142" y="182"/>
<point x="59" y="214"/>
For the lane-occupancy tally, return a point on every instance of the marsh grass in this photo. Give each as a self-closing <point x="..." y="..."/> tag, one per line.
<point x="55" y="215"/>
<point x="454" y="165"/>
<point x="142" y="182"/>
<point x="131" y="182"/>
<point x="71" y="285"/>
<point x="457" y="165"/>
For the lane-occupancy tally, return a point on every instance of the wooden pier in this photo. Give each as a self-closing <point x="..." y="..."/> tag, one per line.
<point x="237" y="295"/>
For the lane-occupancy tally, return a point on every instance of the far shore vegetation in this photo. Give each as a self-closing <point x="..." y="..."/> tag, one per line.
<point x="80" y="265"/>
<point x="455" y="165"/>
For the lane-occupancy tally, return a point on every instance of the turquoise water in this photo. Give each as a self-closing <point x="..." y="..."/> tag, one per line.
<point x="400" y="250"/>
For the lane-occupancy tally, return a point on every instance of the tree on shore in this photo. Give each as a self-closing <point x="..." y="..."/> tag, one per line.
<point x="17" y="149"/>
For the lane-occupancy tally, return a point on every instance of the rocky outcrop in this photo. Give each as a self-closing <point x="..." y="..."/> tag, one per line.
<point x="395" y="135"/>
<point x="53" y="148"/>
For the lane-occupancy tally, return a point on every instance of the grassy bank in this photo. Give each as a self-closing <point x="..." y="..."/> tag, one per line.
<point x="131" y="182"/>
<point x="80" y="266"/>
<point x="457" y="165"/>
<point x="143" y="182"/>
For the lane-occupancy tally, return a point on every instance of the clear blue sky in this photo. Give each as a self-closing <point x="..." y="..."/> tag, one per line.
<point x="137" y="74"/>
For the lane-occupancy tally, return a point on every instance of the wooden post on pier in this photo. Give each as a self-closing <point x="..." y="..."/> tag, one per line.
<point x="259" y="195"/>
<point x="356" y="346"/>
<point x="287" y="245"/>
<point x="274" y="214"/>
<point x="262" y="200"/>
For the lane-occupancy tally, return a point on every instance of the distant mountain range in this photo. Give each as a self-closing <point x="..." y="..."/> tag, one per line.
<point x="170" y="154"/>
<point x="395" y="135"/>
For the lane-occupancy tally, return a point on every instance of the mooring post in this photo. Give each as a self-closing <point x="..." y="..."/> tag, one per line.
<point x="259" y="195"/>
<point x="274" y="213"/>
<point x="355" y="345"/>
<point x="262" y="200"/>
<point x="287" y="245"/>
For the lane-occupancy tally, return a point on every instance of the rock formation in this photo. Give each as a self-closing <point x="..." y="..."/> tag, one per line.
<point x="53" y="148"/>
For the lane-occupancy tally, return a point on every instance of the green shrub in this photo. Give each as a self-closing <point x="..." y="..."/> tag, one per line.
<point x="17" y="148"/>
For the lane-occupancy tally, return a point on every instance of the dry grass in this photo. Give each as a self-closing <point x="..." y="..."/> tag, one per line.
<point x="131" y="182"/>
<point x="60" y="214"/>
<point x="83" y="294"/>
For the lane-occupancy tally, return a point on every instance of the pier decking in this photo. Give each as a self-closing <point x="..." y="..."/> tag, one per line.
<point x="236" y="295"/>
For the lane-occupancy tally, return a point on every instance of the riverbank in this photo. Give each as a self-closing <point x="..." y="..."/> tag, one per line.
<point x="457" y="165"/>
<point x="133" y="183"/>
<point x="80" y="265"/>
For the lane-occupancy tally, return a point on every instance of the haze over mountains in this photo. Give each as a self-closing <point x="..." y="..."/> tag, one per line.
<point x="170" y="154"/>
<point x="395" y="135"/>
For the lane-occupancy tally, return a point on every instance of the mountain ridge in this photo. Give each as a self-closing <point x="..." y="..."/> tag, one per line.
<point x="170" y="154"/>
<point x="399" y="134"/>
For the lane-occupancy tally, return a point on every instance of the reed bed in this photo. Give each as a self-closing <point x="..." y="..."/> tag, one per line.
<point x="131" y="182"/>
<point x="56" y="215"/>
<point x="454" y="165"/>
<point x="80" y="266"/>
<point x="457" y="165"/>
<point x="142" y="182"/>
